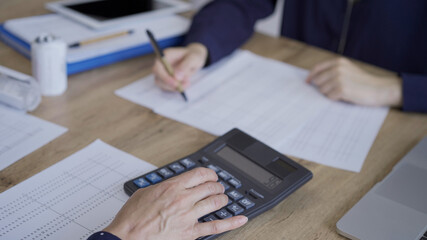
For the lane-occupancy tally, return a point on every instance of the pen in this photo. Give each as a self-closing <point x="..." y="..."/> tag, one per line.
<point x="99" y="39"/>
<point x="166" y="65"/>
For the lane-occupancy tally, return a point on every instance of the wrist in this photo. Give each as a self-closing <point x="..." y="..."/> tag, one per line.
<point x="396" y="92"/>
<point x="200" y="50"/>
<point x="119" y="231"/>
<point x="393" y="92"/>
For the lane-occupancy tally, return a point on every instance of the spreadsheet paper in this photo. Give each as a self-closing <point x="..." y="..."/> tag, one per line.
<point x="271" y="101"/>
<point x="72" y="199"/>
<point x="21" y="134"/>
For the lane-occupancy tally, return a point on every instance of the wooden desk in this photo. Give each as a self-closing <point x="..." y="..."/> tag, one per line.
<point x="90" y="110"/>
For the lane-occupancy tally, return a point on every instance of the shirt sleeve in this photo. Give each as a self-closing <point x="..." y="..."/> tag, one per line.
<point x="414" y="88"/>
<point x="224" y="25"/>
<point x="103" y="236"/>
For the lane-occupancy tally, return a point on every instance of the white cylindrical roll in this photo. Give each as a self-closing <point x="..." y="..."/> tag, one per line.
<point x="18" y="90"/>
<point x="48" y="58"/>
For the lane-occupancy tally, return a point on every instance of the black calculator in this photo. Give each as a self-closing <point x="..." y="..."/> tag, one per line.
<point x="255" y="176"/>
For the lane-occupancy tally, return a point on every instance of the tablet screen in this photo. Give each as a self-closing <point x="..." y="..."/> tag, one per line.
<point x="103" y="10"/>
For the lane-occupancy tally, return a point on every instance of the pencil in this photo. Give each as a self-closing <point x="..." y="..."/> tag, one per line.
<point x="160" y="55"/>
<point x="99" y="39"/>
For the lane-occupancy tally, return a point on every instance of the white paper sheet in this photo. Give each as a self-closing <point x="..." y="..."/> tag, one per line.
<point x="21" y="134"/>
<point x="340" y="136"/>
<point x="70" y="31"/>
<point x="270" y="101"/>
<point x="247" y="91"/>
<point x="71" y="199"/>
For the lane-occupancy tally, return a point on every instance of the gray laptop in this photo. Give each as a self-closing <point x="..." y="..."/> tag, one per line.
<point x="395" y="208"/>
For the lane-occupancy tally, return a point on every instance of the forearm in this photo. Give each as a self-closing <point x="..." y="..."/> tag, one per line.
<point x="224" y="25"/>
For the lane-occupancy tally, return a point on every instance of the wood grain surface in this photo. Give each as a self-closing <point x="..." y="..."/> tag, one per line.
<point x="90" y="110"/>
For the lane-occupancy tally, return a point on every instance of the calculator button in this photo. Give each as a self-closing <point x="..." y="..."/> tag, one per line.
<point x="177" y="168"/>
<point x="224" y="175"/>
<point x="203" y="160"/>
<point x="226" y="186"/>
<point x="154" y="178"/>
<point x="213" y="167"/>
<point x="166" y="173"/>
<point x="210" y="218"/>
<point x="187" y="163"/>
<point x="236" y="183"/>
<point x="235" y="195"/>
<point x="222" y="214"/>
<point x="229" y="201"/>
<point x="141" y="182"/>
<point x="246" y="203"/>
<point x="255" y="194"/>
<point x="235" y="209"/>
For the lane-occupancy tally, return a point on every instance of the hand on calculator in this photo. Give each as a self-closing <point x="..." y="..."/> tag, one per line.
<point x="171" y="209"/>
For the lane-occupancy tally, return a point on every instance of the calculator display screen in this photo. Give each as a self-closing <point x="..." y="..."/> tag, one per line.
<point x="249" y="167"/>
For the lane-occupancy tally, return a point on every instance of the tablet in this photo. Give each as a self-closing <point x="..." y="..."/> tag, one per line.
<point x="108" y="13"/>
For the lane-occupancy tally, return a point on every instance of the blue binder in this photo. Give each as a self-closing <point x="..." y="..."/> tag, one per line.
<point x="25" y="49"/>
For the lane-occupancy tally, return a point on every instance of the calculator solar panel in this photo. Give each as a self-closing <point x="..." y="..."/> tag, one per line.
<point x="255" y="177"/>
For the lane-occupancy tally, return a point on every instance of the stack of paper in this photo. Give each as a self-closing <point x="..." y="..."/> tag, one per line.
<point x="271" y="101"/>
<point x="168" y="28"/>
<point x="70" y="31"/>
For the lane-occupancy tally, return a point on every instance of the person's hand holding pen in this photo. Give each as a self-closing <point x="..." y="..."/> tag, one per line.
<point x="185" y="61"/>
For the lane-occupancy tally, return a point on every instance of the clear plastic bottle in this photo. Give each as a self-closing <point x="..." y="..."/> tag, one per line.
<point x="21" y="92"/>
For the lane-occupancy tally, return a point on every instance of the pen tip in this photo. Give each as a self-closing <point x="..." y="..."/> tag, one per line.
<point x="74" y="45"/>
<point x="184" y="96"/>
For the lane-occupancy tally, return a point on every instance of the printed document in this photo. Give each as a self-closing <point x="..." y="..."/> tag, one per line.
<point x="72" y="199"/>
<point x="21" y="134"/>
<point x="269" y="100"/>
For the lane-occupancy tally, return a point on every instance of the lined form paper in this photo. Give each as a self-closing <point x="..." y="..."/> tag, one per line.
<point x="21" y="134"/>
<point x="270" y="101"/>
<point x="237" y="94"/>
<point x="340" y="136"/>
<point x="72" y="199"/>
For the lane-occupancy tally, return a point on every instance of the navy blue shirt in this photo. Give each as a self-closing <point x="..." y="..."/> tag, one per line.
<point x="103" y="236"/>
<point x="391" y="34"/>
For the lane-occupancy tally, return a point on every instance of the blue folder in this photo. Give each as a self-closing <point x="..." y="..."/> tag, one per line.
<point x="25" y="49"/>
